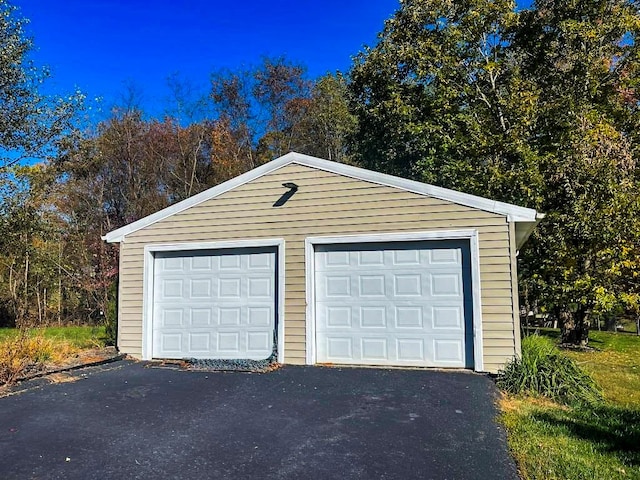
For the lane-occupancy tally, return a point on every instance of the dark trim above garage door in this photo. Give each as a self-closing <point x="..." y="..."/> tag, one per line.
<point x="390" y="238"/>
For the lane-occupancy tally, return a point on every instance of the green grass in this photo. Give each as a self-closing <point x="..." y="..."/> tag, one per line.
<point x="34" y="350"/>
<point x="601" y="441"/>
<point x="79" y="336"/>
<point x="543" y="370"/>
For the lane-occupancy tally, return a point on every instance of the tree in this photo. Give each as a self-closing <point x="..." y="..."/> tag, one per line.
<point x="262" y="106"/>
<point x="326" y="123"/>
<point x="536" y="107"/>
<point x="438" y="100"/>
<point x="584" y="58"/>
<point x="272" y="109"/>
<point x="128" y="168"/>
<point x="30" y="245"/>
<point x="30" y="122"/>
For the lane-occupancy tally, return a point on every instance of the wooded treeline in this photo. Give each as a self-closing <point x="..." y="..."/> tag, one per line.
<point x="537" y="107"/>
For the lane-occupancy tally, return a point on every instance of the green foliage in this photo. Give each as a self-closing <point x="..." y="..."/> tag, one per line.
<point x="536" y="107"/>
<point x="273" y="108"/>
<point x="327" y="123"/>
<point x="551" y="441"/>
<point x="544" y="370"/>
<point x="30" y="243"/>
<point x="435" y="100"/>
<point x="31" y="122"/>
<point x="586" y="442"/>
<point x="81" y="337"/>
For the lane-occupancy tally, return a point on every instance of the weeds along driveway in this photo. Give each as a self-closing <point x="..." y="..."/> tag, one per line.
<point x="130" y="420"/>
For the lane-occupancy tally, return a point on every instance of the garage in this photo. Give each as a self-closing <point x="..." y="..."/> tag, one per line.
<point x="214" y="304"/>
<point x="398" y="304"/>
<point x="308" y="261"/>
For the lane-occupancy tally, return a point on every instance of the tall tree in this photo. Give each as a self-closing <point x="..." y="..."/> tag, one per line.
<point x="128" y="168"/>
<point x="536" y="107"/>
<point x="30" y="244"/>
<point x="584" y="58"/>
<point x="262" y="106"/>
<point x="438" y="99"/>
<point x="30" y="122"/>
<point x="326" y="123"/>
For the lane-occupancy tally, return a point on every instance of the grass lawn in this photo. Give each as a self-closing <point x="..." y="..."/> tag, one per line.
<point x="79" y="337"/>
<point x="40" y="348"/>
<point x="551" y="441"/>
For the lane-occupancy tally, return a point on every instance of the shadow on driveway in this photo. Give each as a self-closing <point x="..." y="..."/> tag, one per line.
<point x="129" y="420"/>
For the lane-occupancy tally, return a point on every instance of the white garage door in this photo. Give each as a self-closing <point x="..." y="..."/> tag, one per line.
<point x="214" y="304"/>
<point x="394" y="304"/>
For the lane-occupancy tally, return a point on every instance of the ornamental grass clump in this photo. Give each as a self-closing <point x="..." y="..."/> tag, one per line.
<point x="543" y="370"/>
<point x="29" y="352"/>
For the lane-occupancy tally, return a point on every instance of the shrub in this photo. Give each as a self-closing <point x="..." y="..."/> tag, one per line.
<point x="544" y="370"/>
<point x="28" y="352"/>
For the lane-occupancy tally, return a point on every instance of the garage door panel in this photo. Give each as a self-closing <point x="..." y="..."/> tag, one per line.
<point x="447" y="317"/>
<point x="259" y="341"/>
<point x="397" y="318"/>
<point x="397" y="350"/>
<point x="446" y="284"/>
<point x="171" y="342"/>
<point x="172" y="318"/>
<point x="201" y="317"/>
<point x="260" y="287"/>
<point x="409" y="317"/>
<point x="172" y="288"/>
<point x="214" y="304"/>
<point x="408" y="285"/>
<point x="448" y="350"/>
<point x="410" y="350"/>
<point x="337" y="349"/>
<point x="200" y="342"/>
<point x="335" y="286"/>
<point x="393" y="304"/>
<point x="337" y="316"/>
<point x="374" y="349"/>
<point x="372" y="317"/>
<point x="228" y="343"/>
<point x="368" y="285"/>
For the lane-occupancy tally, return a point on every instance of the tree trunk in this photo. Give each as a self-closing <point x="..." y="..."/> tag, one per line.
<point x="39" y="307"/>
<point x="60" y="283"/>
<point x="611" y="322"/>
<point x="575" y="327"/>
<point x="638" y="325"/>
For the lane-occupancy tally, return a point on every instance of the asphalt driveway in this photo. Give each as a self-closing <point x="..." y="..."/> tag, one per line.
<point x="131" y="421"/>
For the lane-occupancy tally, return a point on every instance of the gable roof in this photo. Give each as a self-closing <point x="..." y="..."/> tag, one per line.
<point x="525" y="218"/>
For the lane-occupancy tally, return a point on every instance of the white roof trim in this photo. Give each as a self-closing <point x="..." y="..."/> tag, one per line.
<point x="513" y="213"/>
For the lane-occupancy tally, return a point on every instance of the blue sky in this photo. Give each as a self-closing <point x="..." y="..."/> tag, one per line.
<point x="100" y="46"/>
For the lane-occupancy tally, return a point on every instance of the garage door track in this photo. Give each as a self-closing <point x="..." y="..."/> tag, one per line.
<point x="137" y="421"/>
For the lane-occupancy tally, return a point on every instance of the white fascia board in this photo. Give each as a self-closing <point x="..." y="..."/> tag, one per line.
<point x="118" y="235"/>
<point x="524" y="229"/>
<point x="513" y="213"/>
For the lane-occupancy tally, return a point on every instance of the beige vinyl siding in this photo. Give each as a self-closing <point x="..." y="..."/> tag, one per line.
<point x="326" y="204"/>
